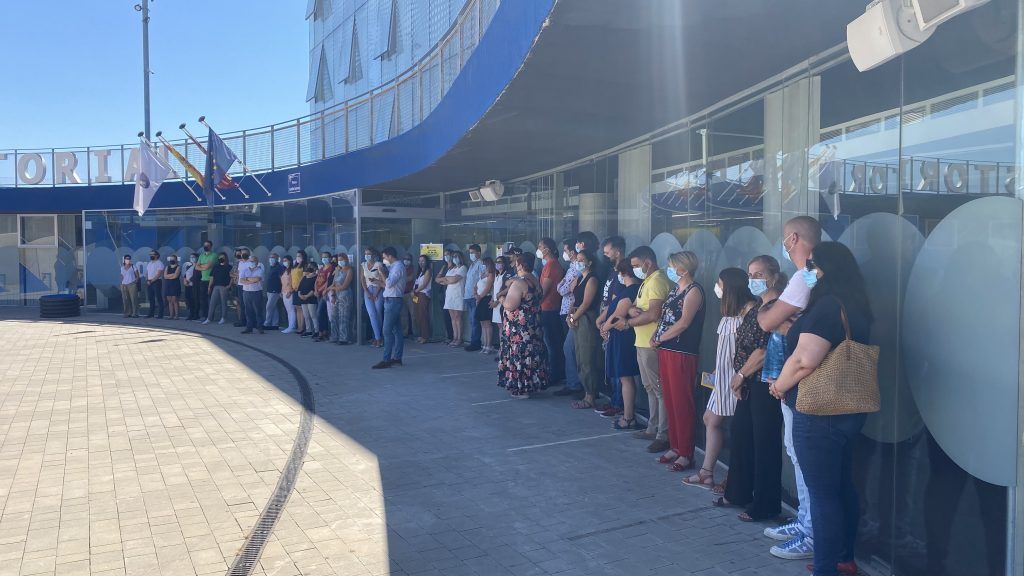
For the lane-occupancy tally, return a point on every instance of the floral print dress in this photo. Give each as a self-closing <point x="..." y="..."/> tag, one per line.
<point x="523" y="367"/>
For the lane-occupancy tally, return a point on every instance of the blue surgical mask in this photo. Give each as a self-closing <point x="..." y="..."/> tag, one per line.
<point x="785" y="253"/>
<point x="672" y="274"/>
<point x="757" y="286"/>
<point x="810" y="277"/>
<point x="580" y="266"/>
<point x="273" y="261"/>
<point x="324" y="260"/>
<point x="456" y="261"/>
<point x="366" y="257"/>
<point x="639" y="273"/>
<point x="473" y="256"/>
<point x="448" y="259"/>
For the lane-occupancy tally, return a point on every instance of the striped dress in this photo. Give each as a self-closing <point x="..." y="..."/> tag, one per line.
<point x="722" y="401"/>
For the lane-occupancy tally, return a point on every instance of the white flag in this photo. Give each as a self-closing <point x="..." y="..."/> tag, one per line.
<point x="153" y="170"/>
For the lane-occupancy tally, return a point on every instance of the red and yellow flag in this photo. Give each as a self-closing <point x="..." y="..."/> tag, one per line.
<point x="196" y="174"/>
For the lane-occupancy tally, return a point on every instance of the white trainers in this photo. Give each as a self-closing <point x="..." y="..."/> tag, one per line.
<point x="799" y="548"/>
<point x="287" y="331"/>
<point x="221" y="321"/>
<point x="784" y="533"/>
<point x="207" y="321"/>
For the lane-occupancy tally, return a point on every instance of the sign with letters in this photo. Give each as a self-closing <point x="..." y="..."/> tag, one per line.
<point x="294" y="183"/>
<point x="433" y="251"/>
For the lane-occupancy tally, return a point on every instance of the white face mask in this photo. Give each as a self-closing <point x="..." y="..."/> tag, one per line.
<point x="540" y="255"/>
<point x="473" y="257"/>
<point x="565" y="256"/>
<point x="718" y="291"/>
<point x="639" y="273"/>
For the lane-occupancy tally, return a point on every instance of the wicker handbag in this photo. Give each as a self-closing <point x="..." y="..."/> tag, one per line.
<point x="846" y="381"/>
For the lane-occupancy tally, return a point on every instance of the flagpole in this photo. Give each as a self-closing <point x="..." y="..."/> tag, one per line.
<point x="203" y="150"/>
<point x="145" y="140"/>
<point x="245" y="169"/>
<point x="169" y="146"/>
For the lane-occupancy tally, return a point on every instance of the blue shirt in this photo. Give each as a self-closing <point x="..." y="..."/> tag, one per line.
<point x="395" y="284"/>
<point x="472" y="277"/>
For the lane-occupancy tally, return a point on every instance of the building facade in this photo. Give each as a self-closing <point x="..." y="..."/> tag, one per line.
<point x="915" y="165"/>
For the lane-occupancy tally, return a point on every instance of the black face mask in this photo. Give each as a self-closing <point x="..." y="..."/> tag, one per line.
<point x="153" y="256"/>
<point x="207" y="248"/>
<point x="245" y="255"/>
<point x="222" y="260"/>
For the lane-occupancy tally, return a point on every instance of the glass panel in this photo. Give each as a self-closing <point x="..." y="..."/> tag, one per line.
<point x="359" y="126"/>
<point x="38" y="231"/>
<point x="10" y="260"/>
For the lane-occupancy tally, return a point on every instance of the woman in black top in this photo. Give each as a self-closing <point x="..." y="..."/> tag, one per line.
<point x="582" y="319"/>
<point x="172" y="285"/>
<point x="220" y="279"/>
<point x="755" y="456"/>
<point x="824" y="444"/>
<point x="307" y="297"/>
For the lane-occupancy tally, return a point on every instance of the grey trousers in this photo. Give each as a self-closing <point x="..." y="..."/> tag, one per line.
<point x="651" y="376"/>
<point x="130" y="298"/>
<point x="272" y="316"/>
<point x="219" y="297"/>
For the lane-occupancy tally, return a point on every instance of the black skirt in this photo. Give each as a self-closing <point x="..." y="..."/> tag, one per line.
<point x="483" y="310"/>
<point x="172" y="288"/>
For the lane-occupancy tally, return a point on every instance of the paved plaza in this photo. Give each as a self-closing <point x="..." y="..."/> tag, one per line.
<point x="166" y="447"/>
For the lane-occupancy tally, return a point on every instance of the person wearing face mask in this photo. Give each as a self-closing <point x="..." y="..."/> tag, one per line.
<point x="288" y="293"/>
<point x="582" y="320"/>
<point x="129" y="288"/>
<point x="298" y="269"/>
<point x="446" y="265"/>
<point x="421" y="299"/>
<point x="799" y="237"/>
<point x="372" y="299"/>
<point x="220" y="280"/>
<point x="394" y="343"/>
<point x="755" y="453"/>
<point x="251" y="279"/>
<point x="502" y="274"/>
<point x="621" y="350"/>
<point x="307" y="296"/>
<point x="735" y="301"/>
<point x="190" y="278"/>
<point x="677" y="340"/>
<point x="473" y="273"/>
<point x="484" y="289"/>
<point x="455" y="280"/>
<point x="172" y="286"/>
<point x="522" y="365"/>
<point x="550" y="308"/>
<point x="342" y="310"/>
<point x="408" y="308"/>
<point x="587" y="240"/>
<point x="241" y="261"/>
<point x="324" y="296"/>
<point x="204" y="264"/>
<point x="154" y="285"/>
<point x="643" y="319"/>
<point x="614" y="249"/>
<point x="837" y="309"/>
<point x="565" y="288"/>
<point x="272" y="282"/>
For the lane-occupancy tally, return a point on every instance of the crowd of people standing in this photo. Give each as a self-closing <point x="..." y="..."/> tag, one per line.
<point x="596" y="326"/>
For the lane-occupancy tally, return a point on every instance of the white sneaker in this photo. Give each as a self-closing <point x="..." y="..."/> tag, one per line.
<point x="221" y="321"/>
<point x="207" y="321"/>
<point x="784" y="533"/>
<point x="799" y="548"/>
<point x="287" y="331"/>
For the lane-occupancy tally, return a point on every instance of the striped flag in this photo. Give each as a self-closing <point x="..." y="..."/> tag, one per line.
<point x="196" y="174"/>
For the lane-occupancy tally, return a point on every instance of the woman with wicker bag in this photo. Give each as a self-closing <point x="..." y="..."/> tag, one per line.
<point x="838" y="314"/>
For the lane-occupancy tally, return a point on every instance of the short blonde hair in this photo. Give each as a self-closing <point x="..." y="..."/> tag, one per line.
<point x="686" y="260"/>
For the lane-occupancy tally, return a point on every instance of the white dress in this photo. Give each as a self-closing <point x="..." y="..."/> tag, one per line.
<point x="722" y="401"/>
<point x="454" y="294"/>
<point x="496" y="311"/>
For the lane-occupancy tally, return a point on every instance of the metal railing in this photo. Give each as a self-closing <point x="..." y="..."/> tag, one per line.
<point x="370" y="118"/>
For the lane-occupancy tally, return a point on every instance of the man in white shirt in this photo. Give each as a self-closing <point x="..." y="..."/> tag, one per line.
<point x="394" y="286"/>
<point x="129" y="288"/>
<point x="190" y="277"/>
<point x="799" y="237"/>
<point x="154" y="284"/>
<point x="476" y="269"/>
<point x="250" y="278"/>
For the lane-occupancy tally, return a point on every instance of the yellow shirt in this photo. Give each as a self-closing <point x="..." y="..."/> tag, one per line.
<point x="296" y="273"/>
<point x="657" y="286"/>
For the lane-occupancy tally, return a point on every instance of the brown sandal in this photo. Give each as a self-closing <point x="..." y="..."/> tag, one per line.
<point x="701" y="480"/>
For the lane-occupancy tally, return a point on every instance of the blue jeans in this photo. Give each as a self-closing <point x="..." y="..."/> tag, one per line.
<point x="572" y="375"/>
<point x="253" y="301"/>
<point x="394" y="343"/>
<point x="824" y="445"/>
<point x="474" y="326"/>
<point x="374" y="309"/>
<point x="554" y="339"/>
<point x="803" y="512"/>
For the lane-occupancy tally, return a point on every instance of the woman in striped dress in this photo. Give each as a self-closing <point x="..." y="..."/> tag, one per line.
<point x="736" y="300"/>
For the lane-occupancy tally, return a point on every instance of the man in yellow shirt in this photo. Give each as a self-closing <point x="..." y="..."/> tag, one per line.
<point x="643" y="319"/>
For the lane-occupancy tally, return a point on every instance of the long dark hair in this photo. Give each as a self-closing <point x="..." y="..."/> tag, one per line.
<point x="840" y="278"/>
<point x="735" y="291"/>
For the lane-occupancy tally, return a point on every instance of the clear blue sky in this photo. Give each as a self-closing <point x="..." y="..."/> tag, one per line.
<point x="71" y="70"/>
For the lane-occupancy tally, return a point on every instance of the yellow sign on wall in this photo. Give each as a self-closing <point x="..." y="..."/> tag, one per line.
<point x="433" y="251"/>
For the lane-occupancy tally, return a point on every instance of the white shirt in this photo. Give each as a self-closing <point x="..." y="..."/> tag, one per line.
<point x="153" y="267"/>
<point x="422" y="285"/>
<point x="186" y="271"/>
<point x="249" y="270"/>
<point x="472" y="277"/>
<point x="128" y="275"/>
<point x="394" y="286"/>
<point x="797" y="293"/>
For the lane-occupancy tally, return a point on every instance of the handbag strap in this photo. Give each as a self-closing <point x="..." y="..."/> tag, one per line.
<point x="842" y="316"/>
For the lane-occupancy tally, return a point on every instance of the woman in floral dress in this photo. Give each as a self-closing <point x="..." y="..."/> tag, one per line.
<point x="523" y="366"/>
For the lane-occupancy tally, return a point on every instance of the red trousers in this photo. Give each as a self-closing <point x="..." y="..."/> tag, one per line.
<point x="678" y="378"/>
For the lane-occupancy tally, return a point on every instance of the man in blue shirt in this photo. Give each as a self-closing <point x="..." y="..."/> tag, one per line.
<point x="476" y="269"/>
<point x="394" y="287"/>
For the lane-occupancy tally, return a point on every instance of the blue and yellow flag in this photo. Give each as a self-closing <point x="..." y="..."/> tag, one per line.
<point x="219" y="159"/>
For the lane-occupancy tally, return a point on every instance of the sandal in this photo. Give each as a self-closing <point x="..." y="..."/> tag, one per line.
<point x="702" y="480"/>
<point x="679" y="467"/>
<point x="666" y="459"/>
<point x="630" y="424"/>
<point x="744" y="517"/>
<point x="582" y="404"/>
<point x="721" y="502"/>
<point x="718" y="489"/>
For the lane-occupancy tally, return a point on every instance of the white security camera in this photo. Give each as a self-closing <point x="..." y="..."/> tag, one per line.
<point x="887" y="29"/>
